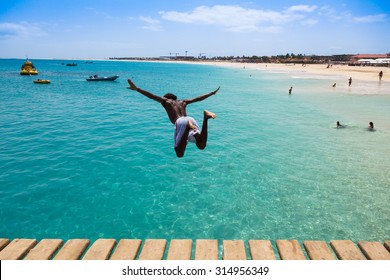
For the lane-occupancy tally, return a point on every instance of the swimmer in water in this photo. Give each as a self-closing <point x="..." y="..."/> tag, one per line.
<point x="339" y="125"/>
<point x="370" y="126"/>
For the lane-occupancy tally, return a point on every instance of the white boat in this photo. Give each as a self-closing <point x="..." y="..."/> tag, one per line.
<point x="97" y="78"/>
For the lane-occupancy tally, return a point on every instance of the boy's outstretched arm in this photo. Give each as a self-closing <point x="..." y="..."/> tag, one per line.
<point x="202" y="97"/>
<point x="132" y="86"/>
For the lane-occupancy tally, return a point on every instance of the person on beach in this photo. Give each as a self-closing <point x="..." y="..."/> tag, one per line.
<point x="380" y="75"/>
<point x="349" y="81"/>
<point x="290" y="90"/>
<point x="186" y="128"/>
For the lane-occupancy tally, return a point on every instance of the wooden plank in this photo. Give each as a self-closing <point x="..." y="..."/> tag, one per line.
<point x="44" y="250"/>
<point x="100" y="250"/>
<point x="387" y="245"/>
<point x="180" y="249"/>
<point x="4" y="242"/>
<point x="17" y="249"/>
<point x="374" y="250"/>
<point x="261" y="250"/>
<point x="206" y="249"/>
<point x="318" y="250"/>
<point x="346" y="250"/>
<point x="72" y="250"/>
<point x="290" y="250"/>
<point x="234" y="250"/>
<point x="127" y="249"/>
<point x="153" y="249"/>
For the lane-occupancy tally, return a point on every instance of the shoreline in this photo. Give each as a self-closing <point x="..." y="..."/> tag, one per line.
<point x="365" y="79"/>
<point x="358" y="73"/>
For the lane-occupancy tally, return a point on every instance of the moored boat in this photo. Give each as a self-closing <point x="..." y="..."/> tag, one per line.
<point x="71" y="64"/>
<point x="97" y="78"/>
<point x="39" y="81"/>
<point x="28" y="68"/>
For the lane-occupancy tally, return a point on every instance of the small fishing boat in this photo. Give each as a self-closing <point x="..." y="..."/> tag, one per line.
<point x="28" y="68"/>
<point x="97" y="78"/>
<point x="71" y="64"/>
<point x="39" y="81"/>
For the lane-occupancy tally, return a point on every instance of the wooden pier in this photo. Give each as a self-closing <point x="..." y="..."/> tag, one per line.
<point x="186" y="249"/>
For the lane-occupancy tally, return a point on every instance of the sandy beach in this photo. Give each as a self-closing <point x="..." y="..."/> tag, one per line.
<point x="359" y="73"/>
<point x="365" y="78"/>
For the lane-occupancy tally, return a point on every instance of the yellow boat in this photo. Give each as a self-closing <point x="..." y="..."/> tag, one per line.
<point x="39" y="81"/>
<point x="28" y="69"/>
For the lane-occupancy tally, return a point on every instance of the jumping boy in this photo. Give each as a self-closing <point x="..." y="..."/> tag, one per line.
<point x="186" y="128"/>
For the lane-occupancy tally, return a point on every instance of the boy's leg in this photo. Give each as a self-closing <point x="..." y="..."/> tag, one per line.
<point x="201" y="139"/>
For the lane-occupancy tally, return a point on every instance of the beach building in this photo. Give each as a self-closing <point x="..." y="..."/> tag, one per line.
<point x="369" y="56"/>
<point x="370" y="60"/>
<point x="177" y="57"/>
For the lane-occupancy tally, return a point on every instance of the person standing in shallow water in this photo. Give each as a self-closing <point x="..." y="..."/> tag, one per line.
<point x="186" y="128"/>
<point x="290" y="90"/>
<point x="380" y="75"/>
<point x="339" y="125"/>
<point x="371" y="126"/>
<point x="349" y="81"/>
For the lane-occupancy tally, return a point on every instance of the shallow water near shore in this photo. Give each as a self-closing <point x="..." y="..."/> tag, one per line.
<point x="94" y="160"/>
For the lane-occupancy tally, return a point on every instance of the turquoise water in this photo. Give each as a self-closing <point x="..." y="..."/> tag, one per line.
<point x="93" y="160"/>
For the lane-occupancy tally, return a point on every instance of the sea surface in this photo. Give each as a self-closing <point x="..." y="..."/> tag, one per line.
<point x="95" y="160"/>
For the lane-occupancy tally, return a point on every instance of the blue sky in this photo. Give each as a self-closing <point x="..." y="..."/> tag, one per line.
<point x="102" y="29"/>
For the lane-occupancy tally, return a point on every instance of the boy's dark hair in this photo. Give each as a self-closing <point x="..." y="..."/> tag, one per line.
<point x="170" y="96"/>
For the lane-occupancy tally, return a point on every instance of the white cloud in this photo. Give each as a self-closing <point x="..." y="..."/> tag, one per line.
<point x="301" y="8"/>
<point x="151" y="23"/>
<point x="334" y="16"/>
<point x="22" y="29"/>
<point x="329" y="13"/>
<point x="239" y="19"/>
<point x="370" y="18"/>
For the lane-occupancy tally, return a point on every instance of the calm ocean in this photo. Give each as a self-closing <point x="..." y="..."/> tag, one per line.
<point x="95" y="160"/>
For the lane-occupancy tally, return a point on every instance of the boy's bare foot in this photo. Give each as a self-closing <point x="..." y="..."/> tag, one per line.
<point x="208" y="114"/>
